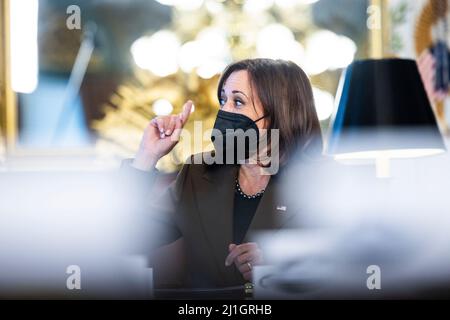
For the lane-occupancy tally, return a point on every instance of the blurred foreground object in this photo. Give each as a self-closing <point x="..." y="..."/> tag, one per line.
<point x="53" y="222"/>
<point x="352" y="223"/>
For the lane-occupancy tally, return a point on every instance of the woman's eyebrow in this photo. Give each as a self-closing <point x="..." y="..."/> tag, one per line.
<point x="237" y="91"/>
<point x="234" y="91"/>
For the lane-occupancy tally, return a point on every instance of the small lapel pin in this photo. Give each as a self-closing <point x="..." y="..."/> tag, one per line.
<point x="281" y="208"/>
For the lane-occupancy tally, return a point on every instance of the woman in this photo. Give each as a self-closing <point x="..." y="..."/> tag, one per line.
<point x="215" y="207"/>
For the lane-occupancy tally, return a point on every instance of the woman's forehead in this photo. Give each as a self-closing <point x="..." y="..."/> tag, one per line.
<point x="238" y="80"/>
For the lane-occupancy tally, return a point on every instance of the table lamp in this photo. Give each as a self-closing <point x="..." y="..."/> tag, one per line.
<point x="383" y="112"/>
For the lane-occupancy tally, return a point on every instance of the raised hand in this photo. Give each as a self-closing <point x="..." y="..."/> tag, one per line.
<point x="160" y="137"/>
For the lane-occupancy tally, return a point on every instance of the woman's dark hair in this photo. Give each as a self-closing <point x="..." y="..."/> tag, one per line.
<point x="287" y="98"/>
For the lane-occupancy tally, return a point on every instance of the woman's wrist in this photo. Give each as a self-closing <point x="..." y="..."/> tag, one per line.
<point x="144" y="162"/>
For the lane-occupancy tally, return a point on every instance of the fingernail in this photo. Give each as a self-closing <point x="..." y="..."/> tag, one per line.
<point x="168" y="132"/>
<point x="161" y="130"/>
<point x="227" y="264"/>
<point x="162" y="135"/>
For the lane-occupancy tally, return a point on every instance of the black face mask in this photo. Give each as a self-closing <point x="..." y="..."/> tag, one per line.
<point x="235" y="137"/>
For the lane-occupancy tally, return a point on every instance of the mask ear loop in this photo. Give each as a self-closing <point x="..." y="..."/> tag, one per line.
<point x="260" y="118"/>
<point x="257" y="159"/>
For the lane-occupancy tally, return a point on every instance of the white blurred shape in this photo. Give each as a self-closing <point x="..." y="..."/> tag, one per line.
<point x="292" y="3"/>
<point x="162" y="107"/>
<point x="324" y="102"/>
<point x="276" y="41"/>
<point x="190" y="56"/>
<point x="215" y="40"/>
<point x="187" y="5"/>
<point x="209" y="53"/>
<point x="390" y="154"/>
<point x="24" y="48"/>
<point x="210" y="68"/>
<point x="256" y="6"/>
<point x="157" y="53"/>
<point x="327" y="50"/>
<point x="214" y="6"/>
<point x="167" y="2"/>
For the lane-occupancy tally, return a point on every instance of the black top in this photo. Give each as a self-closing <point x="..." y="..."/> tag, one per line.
<point x="243" y="213"/>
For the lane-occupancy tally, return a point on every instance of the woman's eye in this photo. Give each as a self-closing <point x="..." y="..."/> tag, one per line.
<point x="238" y="103"/>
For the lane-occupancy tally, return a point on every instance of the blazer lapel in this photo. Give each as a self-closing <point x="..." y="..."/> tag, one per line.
<point x="215" y="203"/>
<point x="274" y="211"/>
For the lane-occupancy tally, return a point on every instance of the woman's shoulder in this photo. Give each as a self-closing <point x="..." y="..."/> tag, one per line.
<point x="203" y="163"/>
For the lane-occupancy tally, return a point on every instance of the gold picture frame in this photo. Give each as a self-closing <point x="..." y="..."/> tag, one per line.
<point x="8" y="106"/>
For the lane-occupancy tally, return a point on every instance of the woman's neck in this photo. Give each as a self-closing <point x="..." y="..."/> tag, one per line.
<point x="251" y="178"/>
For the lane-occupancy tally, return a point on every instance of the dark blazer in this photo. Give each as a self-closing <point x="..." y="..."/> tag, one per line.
<point x="198" y="207"/>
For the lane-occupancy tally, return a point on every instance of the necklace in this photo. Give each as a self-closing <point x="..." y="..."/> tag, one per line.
<point x="254" y="196"/>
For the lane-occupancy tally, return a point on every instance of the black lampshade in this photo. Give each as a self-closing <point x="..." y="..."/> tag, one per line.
<point x="382" y="106"/>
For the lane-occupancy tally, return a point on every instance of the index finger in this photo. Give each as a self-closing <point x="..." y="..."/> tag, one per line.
<point x="186" y="111"/>
<point x="233" y="255"/>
